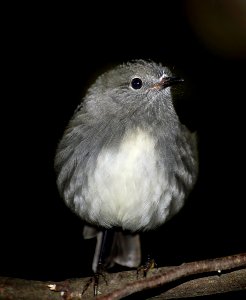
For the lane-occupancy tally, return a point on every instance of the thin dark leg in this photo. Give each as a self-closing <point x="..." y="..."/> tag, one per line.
<point x="103" y="261"/>
<point x="104" y="254"/>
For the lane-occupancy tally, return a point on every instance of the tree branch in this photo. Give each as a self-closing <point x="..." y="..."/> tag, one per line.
<point x="175" y="273"/>
<point x="187" y="280"/>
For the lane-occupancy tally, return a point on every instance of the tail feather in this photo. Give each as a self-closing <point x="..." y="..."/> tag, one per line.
<point x="124" y="248"/>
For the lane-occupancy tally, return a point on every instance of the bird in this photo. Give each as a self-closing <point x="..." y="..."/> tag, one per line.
<point x="125" y="163"/>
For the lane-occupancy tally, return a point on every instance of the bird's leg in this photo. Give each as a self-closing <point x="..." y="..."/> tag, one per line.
<point x="106" y="242"/>
<point x="102" y="254"/>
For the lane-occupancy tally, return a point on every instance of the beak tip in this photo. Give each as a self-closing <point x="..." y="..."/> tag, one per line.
<point x="169" y="81"/>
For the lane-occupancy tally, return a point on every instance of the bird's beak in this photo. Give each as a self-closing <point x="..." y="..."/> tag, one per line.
<point x="167" y="81"/>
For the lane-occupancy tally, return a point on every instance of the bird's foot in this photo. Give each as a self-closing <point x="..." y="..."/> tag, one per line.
<point x="150" y="264"/>
<point x="95" y="280"/>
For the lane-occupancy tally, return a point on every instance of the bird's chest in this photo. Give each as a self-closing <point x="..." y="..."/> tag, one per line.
<point x="124" y="170"/>
<point x="127" y="179"/>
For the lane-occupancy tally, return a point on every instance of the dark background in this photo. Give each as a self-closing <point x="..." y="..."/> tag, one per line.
<point x="52" y="56"/>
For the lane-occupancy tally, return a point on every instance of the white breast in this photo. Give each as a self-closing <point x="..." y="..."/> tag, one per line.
<point x="128" y="188"/>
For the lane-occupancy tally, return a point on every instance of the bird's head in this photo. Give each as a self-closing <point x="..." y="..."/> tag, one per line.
<point x="135" y="87"/>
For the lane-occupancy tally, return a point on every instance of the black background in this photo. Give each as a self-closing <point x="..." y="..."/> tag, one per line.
<point x="53" y="54"/>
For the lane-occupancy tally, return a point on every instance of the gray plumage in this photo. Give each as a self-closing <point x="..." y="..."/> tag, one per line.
<point x="125" y="160"/>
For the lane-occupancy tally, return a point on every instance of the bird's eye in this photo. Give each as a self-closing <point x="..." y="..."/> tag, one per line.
<point x="136" y="83"/>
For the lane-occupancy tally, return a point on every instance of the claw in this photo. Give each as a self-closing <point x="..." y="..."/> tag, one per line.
<point x="150" y="264"/>
<point x="95" y="279"/>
